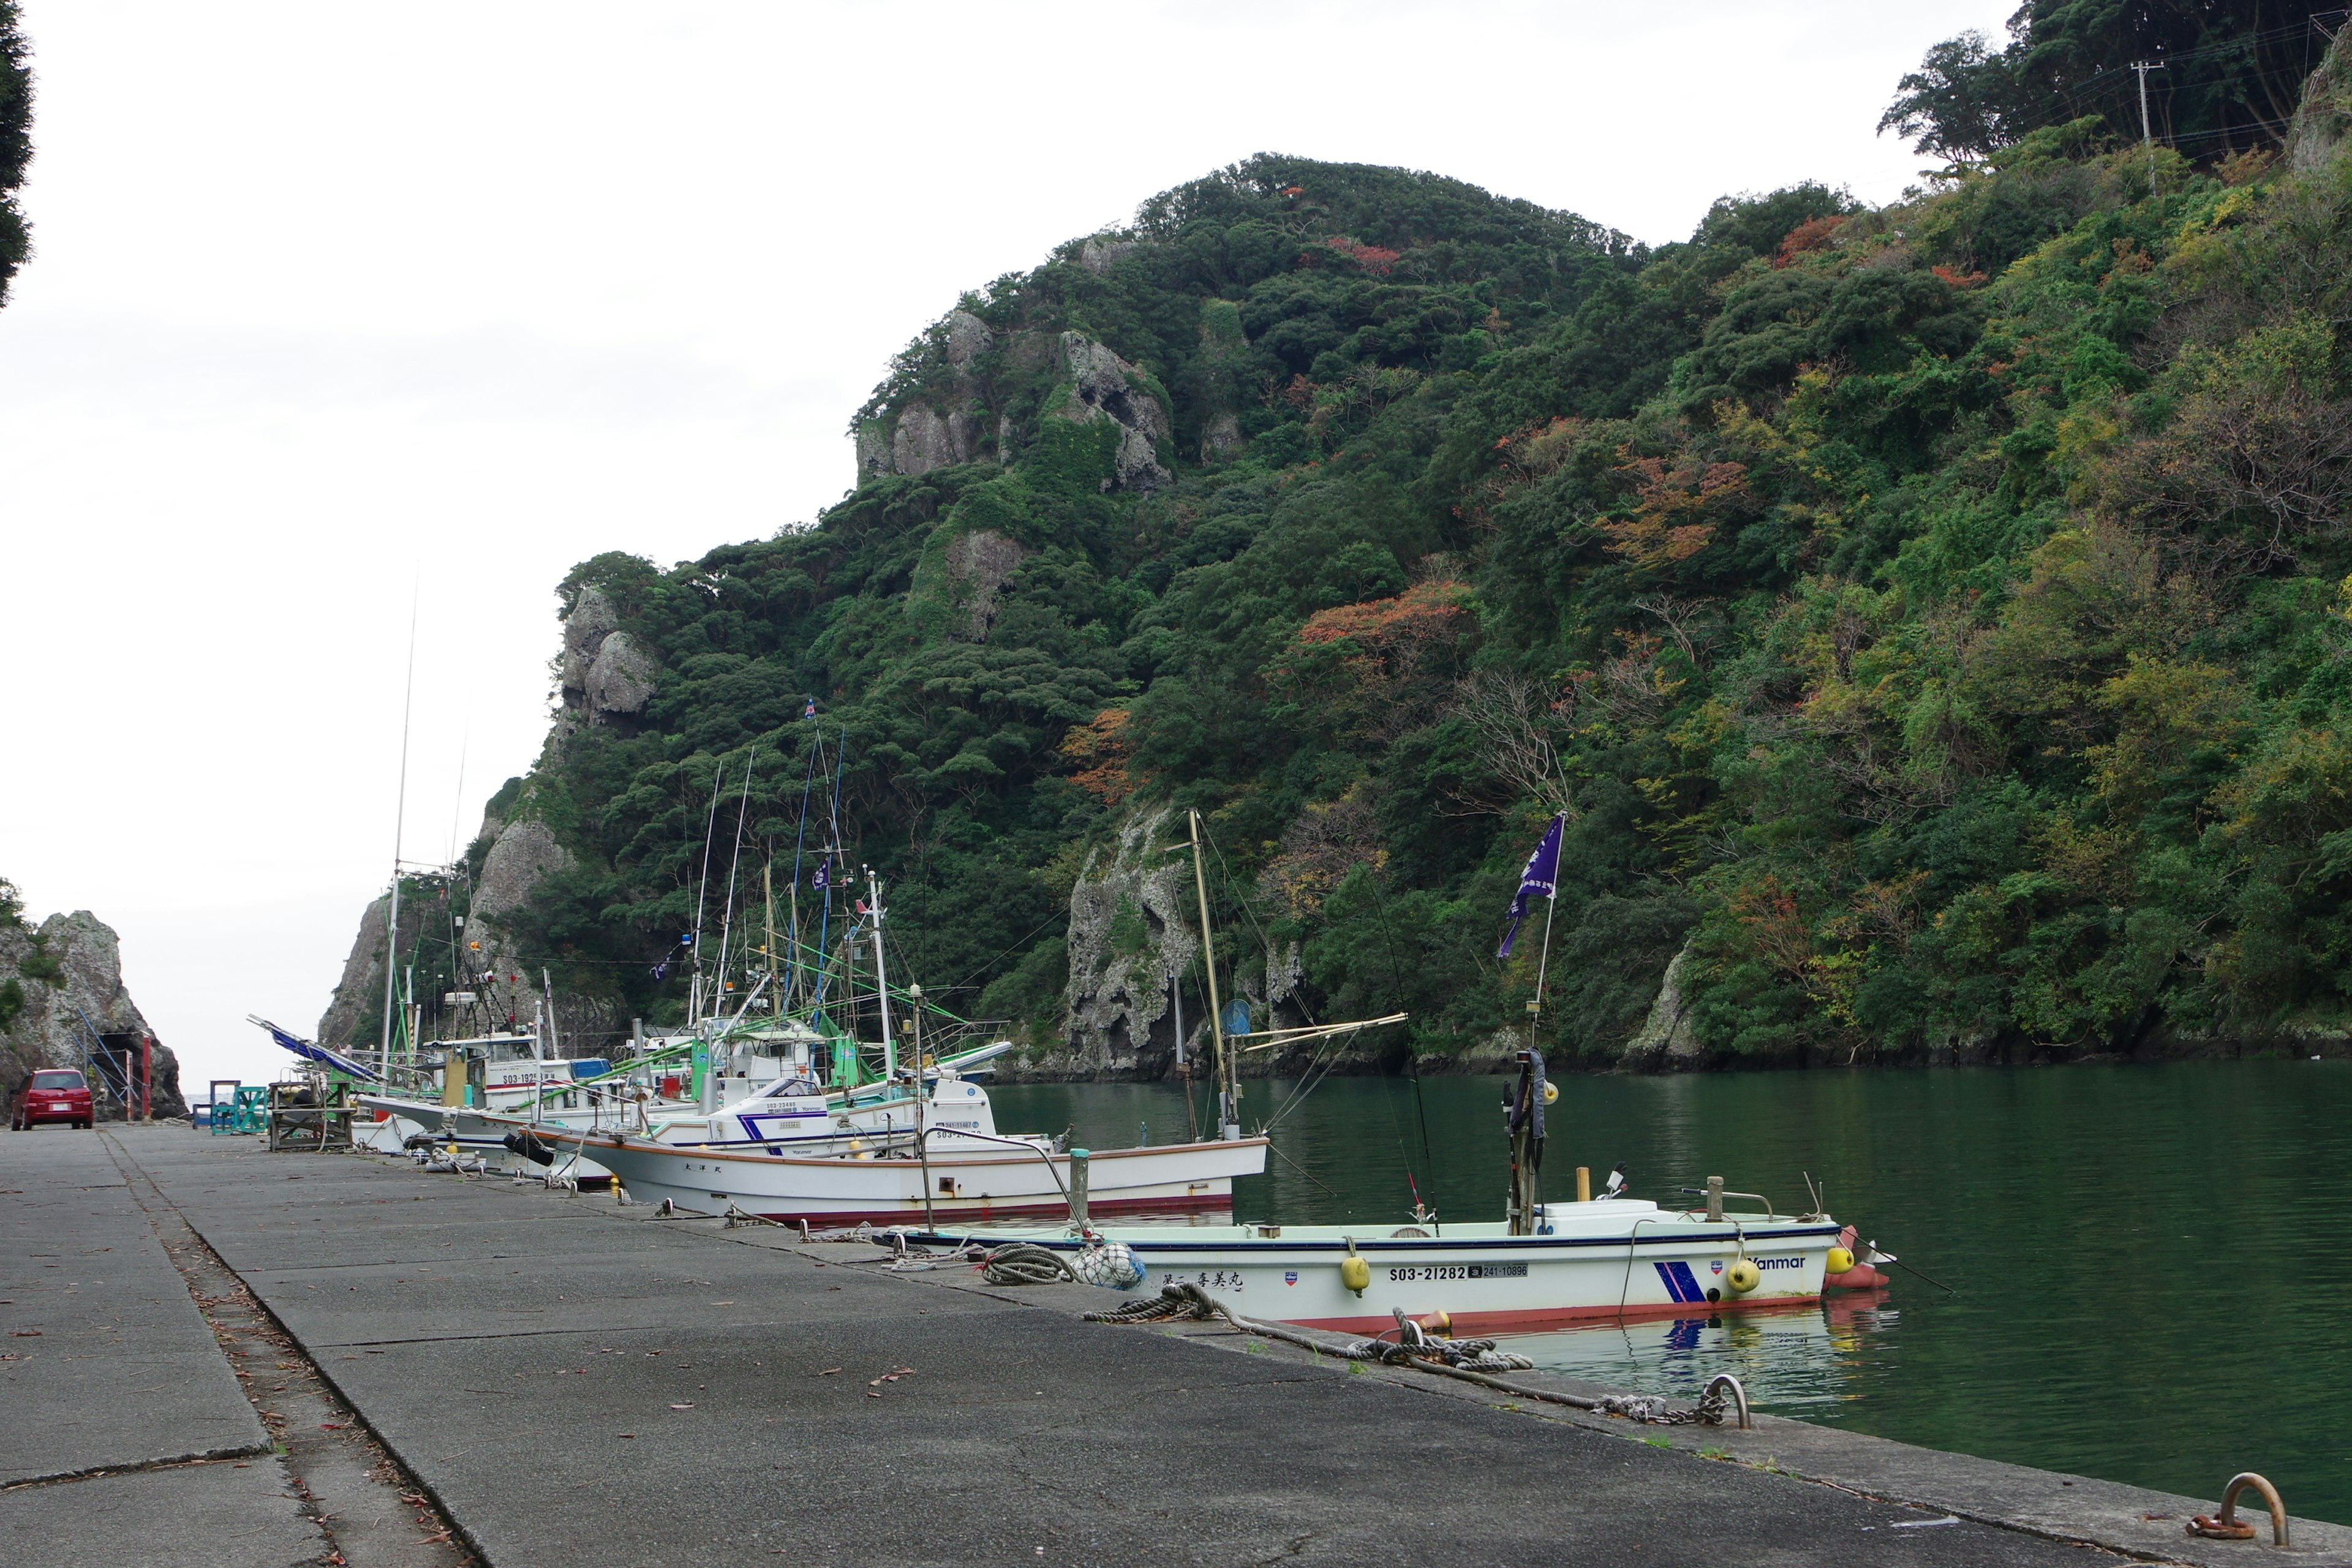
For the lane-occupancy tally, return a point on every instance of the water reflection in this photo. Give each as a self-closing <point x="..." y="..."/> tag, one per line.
<point x="2124" y="1242"/>
<point x="1800" y="1361"/>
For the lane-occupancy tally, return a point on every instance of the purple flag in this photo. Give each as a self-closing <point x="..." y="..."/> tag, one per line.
<point x="822" y="877"/>
<point x="1541" y="877"/>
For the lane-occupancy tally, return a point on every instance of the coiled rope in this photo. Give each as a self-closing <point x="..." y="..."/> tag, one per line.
<point x="1423" y="1351"/>
<point x="1022" y="1263"/>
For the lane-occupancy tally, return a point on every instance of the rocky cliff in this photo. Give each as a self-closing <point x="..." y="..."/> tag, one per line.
<point x="63" y="1004"/>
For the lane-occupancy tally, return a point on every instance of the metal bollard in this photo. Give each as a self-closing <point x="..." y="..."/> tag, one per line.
<point x="1079" y="1159"/>
<point x="2228" y="1517"/>
<point x="1738" y="1393"/>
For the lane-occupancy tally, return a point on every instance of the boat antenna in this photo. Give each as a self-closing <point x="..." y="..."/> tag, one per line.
<point x="694" y="1001"/>
<point x="727" y="920"/>
<point x="400" y="820"/>
<point x="457" y="802"/>
<point x="824" y="925"/>
<point x="881" y="979"/>
<point x="1229" y="1090"/>
<point x="800" y="842"/>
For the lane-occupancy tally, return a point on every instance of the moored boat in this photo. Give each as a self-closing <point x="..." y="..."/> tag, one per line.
<point x="1612" y="1257"/>
<point x="918" y="1178"/>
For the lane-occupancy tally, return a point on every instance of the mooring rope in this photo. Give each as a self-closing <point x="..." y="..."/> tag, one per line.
<point x="1423" y="1351"/>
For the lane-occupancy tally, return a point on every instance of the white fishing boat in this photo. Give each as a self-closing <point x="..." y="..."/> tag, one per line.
<point x="1611" y="1257"/>
<point x="1543" y="1265"/>
<point x="919" y="1176"/>
<point x="786" y="1115"/>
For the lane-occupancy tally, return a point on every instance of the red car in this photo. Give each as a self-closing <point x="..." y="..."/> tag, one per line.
<point x="52" y="1094"/>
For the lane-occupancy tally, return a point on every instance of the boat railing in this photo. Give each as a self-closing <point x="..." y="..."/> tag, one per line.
<point x="1715" y="1192"/>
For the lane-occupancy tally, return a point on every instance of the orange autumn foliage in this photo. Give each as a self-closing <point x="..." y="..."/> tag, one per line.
<point x="1677" y="503"/>
<point x="1814" y="234"/>
<point x="1101" y="750"/>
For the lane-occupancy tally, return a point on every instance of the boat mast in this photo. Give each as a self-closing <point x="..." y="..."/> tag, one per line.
<point x="701" y="897"/>
<point x="399" y="830"/>
<point x="768" y="891"/>
<point x="881" y="981"/>
<point x="1229" y="1088"/>
<point x="727" y="920"/>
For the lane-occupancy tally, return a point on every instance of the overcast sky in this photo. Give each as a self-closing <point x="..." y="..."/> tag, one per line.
<point x="332" y="306"/>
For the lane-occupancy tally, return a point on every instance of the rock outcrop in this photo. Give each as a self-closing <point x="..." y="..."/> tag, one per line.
<point x="1105" y="386"/>
<point x="979" y="565"/>
<point x="941" y="429"/>
<point x="950" y="419"/>
<point x="606" y="676"/>
<point x="1101" y="252"/>
<point x="63" y="1004"/>
<point x="1130" y="933"/>
<point x="2323" y="121"/>
<point x="354" y="1014"/>
<point x="1666" y="1038"/>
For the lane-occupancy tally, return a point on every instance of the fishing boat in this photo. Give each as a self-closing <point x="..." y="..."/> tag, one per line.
<point x="928" y="1173"/>
<point x="1622" y="1257"/>
<point x="1544" y="1265"/>
<point x="1541" y="1264"/>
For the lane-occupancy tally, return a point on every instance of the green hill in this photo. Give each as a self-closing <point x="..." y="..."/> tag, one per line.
<point x="1932" y="618"/>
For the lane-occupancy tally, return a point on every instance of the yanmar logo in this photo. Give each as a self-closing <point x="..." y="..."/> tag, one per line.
<point x="1780" y="1262"/>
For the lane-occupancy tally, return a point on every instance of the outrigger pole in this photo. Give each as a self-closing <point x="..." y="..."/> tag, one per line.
<point x="1229" y="1088"/>
<point x="399" y="830"/>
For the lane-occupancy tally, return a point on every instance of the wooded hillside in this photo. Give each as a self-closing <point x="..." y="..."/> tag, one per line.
<point x="1934" y="619"/>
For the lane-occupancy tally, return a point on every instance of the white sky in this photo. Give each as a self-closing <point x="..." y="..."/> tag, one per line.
<point x="331" y="303"/>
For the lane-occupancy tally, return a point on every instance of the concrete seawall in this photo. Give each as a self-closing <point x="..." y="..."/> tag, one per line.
<point x="440" y="1368"/>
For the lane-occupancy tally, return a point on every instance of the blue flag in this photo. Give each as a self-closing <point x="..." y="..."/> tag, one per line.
<point x="822" y="877"/>
<point x="1540" y="878"/>
<point x="810" y="712"/>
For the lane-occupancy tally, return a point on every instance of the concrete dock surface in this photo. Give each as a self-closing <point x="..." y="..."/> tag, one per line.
<point x="223" y="1356"/>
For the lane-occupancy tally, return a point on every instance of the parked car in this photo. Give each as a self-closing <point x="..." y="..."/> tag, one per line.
<point x="52" y="1094"/>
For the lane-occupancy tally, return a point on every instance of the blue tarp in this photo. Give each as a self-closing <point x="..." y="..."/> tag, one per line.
<point x="309" y="1052"/>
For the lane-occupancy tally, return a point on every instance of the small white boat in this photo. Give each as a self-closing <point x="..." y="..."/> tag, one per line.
<point x="945" y="1171"/>
<point x="1619" y="1257"/>
<point x="1544" y="1265"/>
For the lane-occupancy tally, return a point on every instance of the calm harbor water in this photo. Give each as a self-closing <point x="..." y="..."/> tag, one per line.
<point x="2151" y="1271"/>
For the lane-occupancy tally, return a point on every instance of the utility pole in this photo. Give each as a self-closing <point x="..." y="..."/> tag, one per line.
<point x="2147" y="136"/>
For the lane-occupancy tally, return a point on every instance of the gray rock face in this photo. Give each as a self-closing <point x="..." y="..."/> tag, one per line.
<point x="590" y="620"/>
<point x="354" y="1014"/>
<point x="606" y="674"/>
<point x="872" y="449"/>
<point x="1102" y="252"/>
<point x="923" y="441"/>
<point x="1105" y="386"/>
<point x="74" y="992"/>
<point x="980" y="563"/>
<point x="968" y="339"/>
<point x="621" y="680"/>
<point x="1666" y="1038"/>
<point x="2323" y="121"/>
<point x="524" y="856"/>
<point x="1129" y="932"/>
<point x="1221" y="439"/>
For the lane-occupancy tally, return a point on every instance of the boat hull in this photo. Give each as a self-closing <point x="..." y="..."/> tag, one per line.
<point x="1483" y="1280"/>
<point x="965" y="1184"/>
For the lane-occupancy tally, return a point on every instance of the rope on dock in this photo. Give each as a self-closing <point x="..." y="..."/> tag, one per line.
<point x="1192" y="1302"/>
<point x="1024" y="1264"/>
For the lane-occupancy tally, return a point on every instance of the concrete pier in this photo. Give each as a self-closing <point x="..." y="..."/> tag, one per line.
<point x="538" y="1377"/>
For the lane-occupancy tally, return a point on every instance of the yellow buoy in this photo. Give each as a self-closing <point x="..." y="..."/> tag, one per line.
<point x="1743" y="1277"/>
<point x="1551" y="1093"/>
<point x="1354" y="1272"/>
<point x="1839" y="1261"/>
